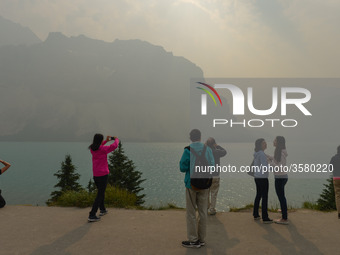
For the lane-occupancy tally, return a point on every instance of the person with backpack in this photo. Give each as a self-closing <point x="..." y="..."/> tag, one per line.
<point x="261" y="181"/>
<point x="281" y="177"/>
<point x="196" y="188"/>
<point x="335" y="162"/>
<point x="218" y="153"/>
<point x="2" y="170"/>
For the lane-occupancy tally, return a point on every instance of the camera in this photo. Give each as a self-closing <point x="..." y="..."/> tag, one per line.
<point x="112" y="138"/>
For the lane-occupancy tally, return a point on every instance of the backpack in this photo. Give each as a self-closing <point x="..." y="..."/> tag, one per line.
<point x="200" y="180"/>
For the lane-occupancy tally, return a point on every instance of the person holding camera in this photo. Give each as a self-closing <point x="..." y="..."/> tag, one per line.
<point x="101" y="171"/>
<point x="2" y="170"/>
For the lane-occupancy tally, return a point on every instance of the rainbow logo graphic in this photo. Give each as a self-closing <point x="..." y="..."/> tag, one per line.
<point x="209" y="93"/>
<point x="204" y="97"/>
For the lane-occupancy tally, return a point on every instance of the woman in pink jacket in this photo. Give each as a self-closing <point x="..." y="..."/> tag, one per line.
<point x="100" y="171"/>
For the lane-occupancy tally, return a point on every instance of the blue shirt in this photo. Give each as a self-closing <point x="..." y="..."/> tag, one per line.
<point x="260" y="160"/>
<point x="187" y="163"/>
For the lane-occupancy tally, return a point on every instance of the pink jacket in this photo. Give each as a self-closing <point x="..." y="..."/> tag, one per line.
<point x="99" y="158"/>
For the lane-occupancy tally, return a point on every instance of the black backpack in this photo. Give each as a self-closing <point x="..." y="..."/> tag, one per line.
<point x="200" y="180"/>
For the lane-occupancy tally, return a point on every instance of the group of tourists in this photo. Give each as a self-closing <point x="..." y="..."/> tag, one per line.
<point x="204" y="200"/>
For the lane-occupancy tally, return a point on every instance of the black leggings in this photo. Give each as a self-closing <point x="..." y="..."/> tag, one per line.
<point x="262" y="186"/>
<point x="2" y="201"/>
<point x="101" y="183"/>
<point x="280" y="191"/>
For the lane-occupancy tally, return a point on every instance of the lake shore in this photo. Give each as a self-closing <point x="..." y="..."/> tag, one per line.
<point x="55" y="230"/>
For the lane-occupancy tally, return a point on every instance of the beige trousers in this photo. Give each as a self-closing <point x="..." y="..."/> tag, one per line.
<point x="196" y="227"/>
<point x="337" y="194"/>
<point x="213" y="194"/>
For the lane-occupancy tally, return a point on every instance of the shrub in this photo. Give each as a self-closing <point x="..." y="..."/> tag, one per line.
<point x="76" y="198"/>
<point x="114" y="197"/>
<point x="326" y="202"/>
<point x="310" y="205"/>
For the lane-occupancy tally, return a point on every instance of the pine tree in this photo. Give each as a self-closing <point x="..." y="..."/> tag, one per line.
<point x="123" y="174"/>
<point x="68" y="179"/>
<point x="326" y="202"/>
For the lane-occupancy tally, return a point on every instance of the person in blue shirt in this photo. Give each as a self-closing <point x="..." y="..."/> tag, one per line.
<point x="196" y="228"/>
<point x="261" y="181"/>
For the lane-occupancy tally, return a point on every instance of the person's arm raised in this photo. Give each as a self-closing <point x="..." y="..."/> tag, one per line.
<point x="113" y="146"/>
<point x="6" y="164"/>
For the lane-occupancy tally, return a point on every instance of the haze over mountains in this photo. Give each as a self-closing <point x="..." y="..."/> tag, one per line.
<point x="15" y="34"/>
<point x="66" y="89"/>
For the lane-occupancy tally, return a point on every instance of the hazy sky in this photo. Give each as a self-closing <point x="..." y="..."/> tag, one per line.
<point x="229" y="38"/>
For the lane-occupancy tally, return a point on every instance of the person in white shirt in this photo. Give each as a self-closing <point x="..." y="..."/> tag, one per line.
<point x="281" y="177"/>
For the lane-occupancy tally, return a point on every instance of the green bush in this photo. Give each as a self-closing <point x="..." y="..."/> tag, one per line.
<point x="310" y="205"/>
<point x="121" y="198"/>
<point x="78" y="199"/>
<point x="326" y="202"/>
<point x="114" y="197"/>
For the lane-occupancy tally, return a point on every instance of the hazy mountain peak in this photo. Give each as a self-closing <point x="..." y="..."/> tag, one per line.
<point x="56" y="36"/>
<point x="14" y="34"/>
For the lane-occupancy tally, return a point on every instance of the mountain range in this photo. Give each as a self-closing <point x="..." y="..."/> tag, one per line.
<point x="68" y="88"/>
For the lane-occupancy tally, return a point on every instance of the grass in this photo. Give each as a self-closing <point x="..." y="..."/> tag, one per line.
<point x="114" y="197"/>
<point x="315" y="206"/>
<point x="310" y="205"/>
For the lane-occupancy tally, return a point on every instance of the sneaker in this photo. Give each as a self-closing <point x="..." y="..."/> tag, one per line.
<point x="212" y="212"/>
<point x="267" y="221"/>
<point x="93" y="218"/>
<point x="189" y="244"/>
<point x="202" y="243"/>
<point x="102" y="213"/>
<point x="281" y="221"/>
<point x="257" y="218"/>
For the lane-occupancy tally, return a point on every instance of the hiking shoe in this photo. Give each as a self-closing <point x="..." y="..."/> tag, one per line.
<point x="102" y="213"/>
<point x="267" y="221"/>
<point x="189" y="244"/>
<point x="281" y="221"/>
<point x="202" y="243"/>
<point x="257" y="218"/>
<point x="93" y="218"/>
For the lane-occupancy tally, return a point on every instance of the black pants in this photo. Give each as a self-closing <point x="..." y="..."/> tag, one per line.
<point x="101" y="183"/>
<point x="280" y="191"/>
<point x="2" y="201"/>
<point x="262" y="186"/>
